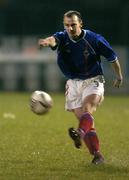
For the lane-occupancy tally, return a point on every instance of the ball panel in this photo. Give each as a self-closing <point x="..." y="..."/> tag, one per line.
<point x="40" y="102"/>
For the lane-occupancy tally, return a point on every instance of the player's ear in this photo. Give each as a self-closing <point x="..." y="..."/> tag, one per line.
<point x="81" y="24"/>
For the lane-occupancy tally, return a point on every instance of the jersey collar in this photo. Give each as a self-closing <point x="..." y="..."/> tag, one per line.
<point x="75" y="41"/>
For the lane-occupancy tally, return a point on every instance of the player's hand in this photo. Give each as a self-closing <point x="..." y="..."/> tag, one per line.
<point x="118" y="83"/>
<point x="43" y="43"/>
<point x="50" y="41"/>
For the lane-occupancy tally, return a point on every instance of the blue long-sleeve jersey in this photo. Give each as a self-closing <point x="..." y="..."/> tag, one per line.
<point x="81" y="59"/>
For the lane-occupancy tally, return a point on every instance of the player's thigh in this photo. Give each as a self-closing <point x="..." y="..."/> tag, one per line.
<point x="78" y="112"/>
<point x="91" y="102"/>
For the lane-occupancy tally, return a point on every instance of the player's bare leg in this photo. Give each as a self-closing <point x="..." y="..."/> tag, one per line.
<point x="86" y="129"/>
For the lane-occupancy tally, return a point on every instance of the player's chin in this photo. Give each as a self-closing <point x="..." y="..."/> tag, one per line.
<point x="72" y="34"/>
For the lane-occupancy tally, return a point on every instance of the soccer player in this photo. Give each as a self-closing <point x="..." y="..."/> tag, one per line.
<point x="79" y="54"/>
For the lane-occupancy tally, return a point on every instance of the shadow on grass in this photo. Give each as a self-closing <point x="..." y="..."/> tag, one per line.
<point x="107" y="168"/>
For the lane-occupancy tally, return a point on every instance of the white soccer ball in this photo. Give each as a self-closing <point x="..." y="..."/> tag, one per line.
<point x="40" y="102"/>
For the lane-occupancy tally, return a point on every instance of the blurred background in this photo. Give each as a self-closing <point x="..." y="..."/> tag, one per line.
<point x="23" y="67"/>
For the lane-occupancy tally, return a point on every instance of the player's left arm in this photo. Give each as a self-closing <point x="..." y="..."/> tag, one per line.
<point x="117" y="69"/>
<point x="107" y="51"/>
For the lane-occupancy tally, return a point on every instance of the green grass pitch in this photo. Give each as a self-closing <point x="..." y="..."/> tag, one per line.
<point x="36" y="147"/>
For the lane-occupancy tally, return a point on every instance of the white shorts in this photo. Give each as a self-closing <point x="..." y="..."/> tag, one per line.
<point x="77" y="90"/>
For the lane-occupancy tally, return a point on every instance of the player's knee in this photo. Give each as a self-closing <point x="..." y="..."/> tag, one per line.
<point x="78" y="112"/>
<point x="101" y="100"/>
<point x="90" y="110"/>
<point x="89" y="107"/>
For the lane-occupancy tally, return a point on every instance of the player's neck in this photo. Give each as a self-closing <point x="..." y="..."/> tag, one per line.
<point x="77" y="37"/>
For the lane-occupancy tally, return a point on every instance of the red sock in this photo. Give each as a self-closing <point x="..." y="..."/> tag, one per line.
<point x="92" y="142"/>
<point x="86" y="122"/>
<point x="88" y="133"/>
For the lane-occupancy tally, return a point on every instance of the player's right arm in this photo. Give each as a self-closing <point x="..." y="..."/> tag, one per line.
<point x="47" y="42"/>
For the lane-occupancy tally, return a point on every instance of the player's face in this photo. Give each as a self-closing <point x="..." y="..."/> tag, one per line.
<point x="72" y="25"/>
